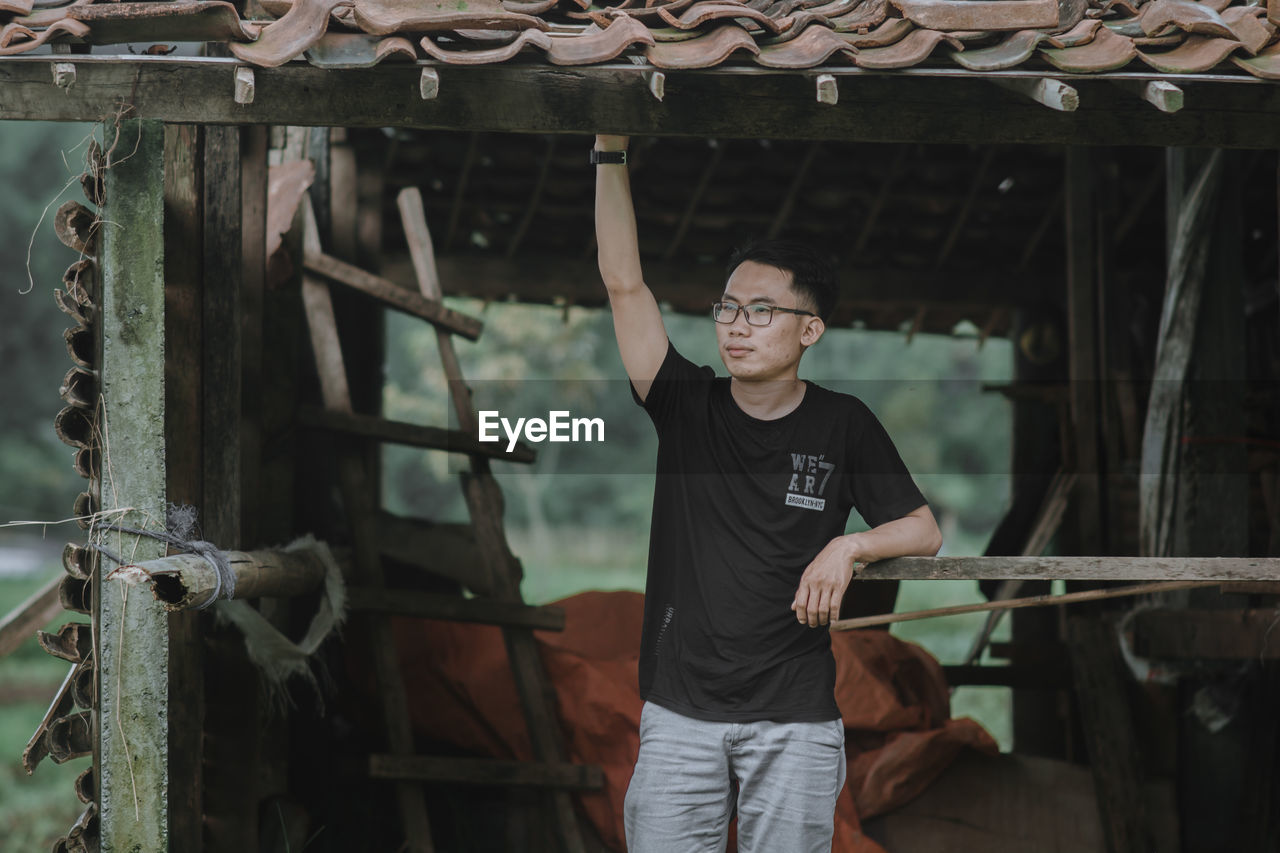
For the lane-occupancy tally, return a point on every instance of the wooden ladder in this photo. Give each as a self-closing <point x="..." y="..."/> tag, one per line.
<point x="500" y="570"/>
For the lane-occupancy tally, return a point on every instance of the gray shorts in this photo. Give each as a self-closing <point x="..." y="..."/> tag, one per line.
<point x="783" y="777"/>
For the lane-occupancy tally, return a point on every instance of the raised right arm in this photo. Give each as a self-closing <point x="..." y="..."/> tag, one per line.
<point x="637" y="321"/>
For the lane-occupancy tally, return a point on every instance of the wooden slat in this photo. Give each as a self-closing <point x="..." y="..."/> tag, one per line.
<point x="484" y="771"/>
<point x="453" y="608"/>
<point x="413" y="435"/>
<point x="1075" y="568"/>
<point x="1208" y="634"/>
<point x="392" y="295"/>
<point x="23" y="621"/>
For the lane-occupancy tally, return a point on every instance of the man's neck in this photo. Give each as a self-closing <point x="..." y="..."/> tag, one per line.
<point x="768" y="399"/>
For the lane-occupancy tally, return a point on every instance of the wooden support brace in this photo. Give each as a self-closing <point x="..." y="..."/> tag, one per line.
<point x="1043" y="90"/>
<point x="64" y="74"/>
<point x="828" y="89"/>
<point x="1161" y="94"/>
<point x="244" y="84"/>
<point x="429" y="84"/>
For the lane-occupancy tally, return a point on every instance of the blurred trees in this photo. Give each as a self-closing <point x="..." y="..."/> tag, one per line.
<point x="39" y="162"/>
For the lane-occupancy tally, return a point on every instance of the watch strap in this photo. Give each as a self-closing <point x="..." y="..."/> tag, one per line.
<point x="611" y="157"/>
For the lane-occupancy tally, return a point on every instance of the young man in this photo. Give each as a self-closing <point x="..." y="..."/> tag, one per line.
<point x="748" y="560"/>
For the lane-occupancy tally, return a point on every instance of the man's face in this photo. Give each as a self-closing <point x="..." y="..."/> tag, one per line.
<point x="765" y="352"/>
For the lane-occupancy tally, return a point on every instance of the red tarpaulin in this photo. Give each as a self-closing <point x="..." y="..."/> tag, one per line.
<point x="892" y="696"/>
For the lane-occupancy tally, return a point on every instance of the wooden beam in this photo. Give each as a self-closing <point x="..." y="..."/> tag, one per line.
<point x="1018" y="603"/>
<point x="413" y="435"/>
<point x="1240" y="635"/>
<point x="486" y="771"/>
<point x="1082" y="348"/>
<point x="1074" y="568"/>
<point x="132" y="642"/>
<point x="928" y="105"/>
<point x="392" y="295"/>
<point x="690" y="287"/>
<point x="454" y="608"/>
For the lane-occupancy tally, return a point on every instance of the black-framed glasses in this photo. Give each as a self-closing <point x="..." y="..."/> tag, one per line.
<point x="758" y="313"/>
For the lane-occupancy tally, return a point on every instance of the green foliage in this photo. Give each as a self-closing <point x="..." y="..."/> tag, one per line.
<point x="33" y="809"/>
<point x="41" y="163"/>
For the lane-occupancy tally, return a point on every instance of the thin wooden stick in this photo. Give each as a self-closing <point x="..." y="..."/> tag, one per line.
<point x="1014" y="603"/>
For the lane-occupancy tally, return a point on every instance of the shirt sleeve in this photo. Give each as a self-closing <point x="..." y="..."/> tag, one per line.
<point x="879" y="486"/>
<point x="675" y="384"/>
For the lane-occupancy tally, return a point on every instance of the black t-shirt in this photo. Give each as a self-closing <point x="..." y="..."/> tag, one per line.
<point x="741" y="507"/>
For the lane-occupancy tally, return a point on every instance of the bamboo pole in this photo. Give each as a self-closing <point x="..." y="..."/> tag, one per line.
<point x="186" y="581"/>
<point x="1015" y="603"/>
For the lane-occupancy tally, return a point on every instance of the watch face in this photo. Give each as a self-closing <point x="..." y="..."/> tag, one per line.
<point x="598" y="157"/>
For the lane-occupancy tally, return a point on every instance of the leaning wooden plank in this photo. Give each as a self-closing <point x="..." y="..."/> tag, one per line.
<point x="186" y="581"/>
<point x="30" y="616"/>
<point x="413" y="435"/>
<point x="393" y="295"/>
<point x="410" y="602"/>
<point x="484" y="505"/>
<point x="1075" y="568"/>
<point x="1017" y="603"/>
<point x="361" y="515"/>
<point x="485" y="771"/>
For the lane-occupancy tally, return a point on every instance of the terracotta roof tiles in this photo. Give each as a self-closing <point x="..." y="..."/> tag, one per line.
<point x="1074" y="36"/>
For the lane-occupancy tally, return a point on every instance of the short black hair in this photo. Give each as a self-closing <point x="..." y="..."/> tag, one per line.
<point x="813" y="276"/>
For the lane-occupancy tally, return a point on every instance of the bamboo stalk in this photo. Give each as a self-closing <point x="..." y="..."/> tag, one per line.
<point x="1015" y="603"/>
<point x="186" y="581"/>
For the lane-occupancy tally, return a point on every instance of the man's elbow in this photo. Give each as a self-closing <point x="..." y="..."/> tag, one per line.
<point x="932" y="539"/>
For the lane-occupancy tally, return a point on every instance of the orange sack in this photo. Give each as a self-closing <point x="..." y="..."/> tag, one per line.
<point x="898" y="732"/>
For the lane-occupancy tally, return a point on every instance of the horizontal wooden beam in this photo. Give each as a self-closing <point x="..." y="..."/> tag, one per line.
<point x="914" y="105"/>
<point x="392" y="295"/>
<point x="455" y="608"/>
<point x="1075" y="568"/>
<point x="689" y="287"/>
<point x="413" y="435"/>
<point x="1207" y="634"/>
<point x="485" y="771"/>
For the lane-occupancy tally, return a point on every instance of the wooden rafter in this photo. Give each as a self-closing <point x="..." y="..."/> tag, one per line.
<point x="704" y="180"/>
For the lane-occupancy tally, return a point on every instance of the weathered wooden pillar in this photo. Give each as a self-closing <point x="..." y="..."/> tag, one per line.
<point x="132" y="641"/>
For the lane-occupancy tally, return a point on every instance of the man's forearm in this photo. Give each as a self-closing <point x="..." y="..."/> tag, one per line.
<point x="618" y="248"/>
<point x="914" y="535"/>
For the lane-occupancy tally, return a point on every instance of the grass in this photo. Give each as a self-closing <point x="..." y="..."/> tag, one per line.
<point x="36" y="809"/>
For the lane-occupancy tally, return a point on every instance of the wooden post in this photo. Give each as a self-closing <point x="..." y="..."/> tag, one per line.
<point x="1082" y="330"/>
<point x="184" y="432"/>
<point x="132" y="638"/>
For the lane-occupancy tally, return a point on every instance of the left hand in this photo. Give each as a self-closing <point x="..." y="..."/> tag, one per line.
<point x="823" y="584"/>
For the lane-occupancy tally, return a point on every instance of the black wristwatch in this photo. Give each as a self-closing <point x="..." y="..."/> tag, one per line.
<point x="611" y="157"/>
